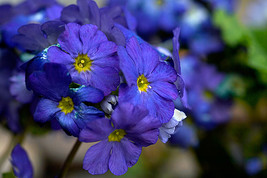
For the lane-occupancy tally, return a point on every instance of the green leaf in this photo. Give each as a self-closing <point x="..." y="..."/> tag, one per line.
<point x="233" y="32"/>
<point x="257" y="50"/>
<point x="8" y="175"/>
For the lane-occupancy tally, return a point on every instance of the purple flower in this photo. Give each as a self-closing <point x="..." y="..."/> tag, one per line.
<point x="29" y="11"/>
<point x="18" y="88"/>
<point x="121" y="139"/>
<point x="61" y="102"/>
<point x="36" y="37"/>
<point x="87" y="12"/>
<point x="150" y="82"/>
<point x="90" y="58"/>
<point x="22" y="166"/>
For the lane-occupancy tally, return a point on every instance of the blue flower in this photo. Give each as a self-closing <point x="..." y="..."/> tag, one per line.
<point x="254" y="165"/>
<point x="27" y="12"/>
<point x="18" y="88"/>
<point x="87" y="12"/>
<point x="185" y="137"/>
<point x="90" y="58"/>
<point x="22" y="166"/>
<point x="154" y="15"/>
<point x="150" y="82"/>
<point x="121" y="139"/>
<point x="226" y="5"/>
<point x="62" y="103"/>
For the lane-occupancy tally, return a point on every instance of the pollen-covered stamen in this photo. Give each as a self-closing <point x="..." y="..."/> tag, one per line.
<point x="66" y="105"/>
<point x="142" y="83"/>
<point x="82" y="63"/>
<point x="116" y="135"/>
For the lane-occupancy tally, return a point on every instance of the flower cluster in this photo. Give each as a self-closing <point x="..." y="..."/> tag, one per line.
<point x="98" y="80"/>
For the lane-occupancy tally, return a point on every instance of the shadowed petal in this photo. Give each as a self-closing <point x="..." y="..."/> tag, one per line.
<point x="88" y="94"/>
<point x="67" y="123"/>
<point x="96" y="130"/>
<point x="56" y="55"/>
<point x="52" y="83"/>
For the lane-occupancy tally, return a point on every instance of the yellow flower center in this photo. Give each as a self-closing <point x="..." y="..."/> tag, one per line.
<point x="116" y="135"/>
<point x="142" y="83"/>
<point x="159" y="2"/>
<point x="82" y="63"/>
<point x="66" y="105"/>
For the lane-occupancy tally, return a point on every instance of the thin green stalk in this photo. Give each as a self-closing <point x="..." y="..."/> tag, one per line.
<point x="69" y="159"/>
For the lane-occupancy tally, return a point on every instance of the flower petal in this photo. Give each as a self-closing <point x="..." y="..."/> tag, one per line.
<point x="105" y="78"/>
<point x="45" y="110"/>
<point x="117" y="163"/>
<point x="22" y="166"/>
<point x="88" y="94"/>
<point x="163" y="72"/>
<point x="52" y="83"/>
<point x="91" y="37"/>
<point x="132" y="152"/>
<point x="127" y="65"/>
<point x="97" y="157"/>
<point x="67" y="123"/>
<point x="165" y="90"/>
<point x="69" y="40"/>
<point x="56" y="55"/>
<point x="96" y="130"/>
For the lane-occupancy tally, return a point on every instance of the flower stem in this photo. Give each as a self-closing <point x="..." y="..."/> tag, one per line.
<point x="69" y="159"/>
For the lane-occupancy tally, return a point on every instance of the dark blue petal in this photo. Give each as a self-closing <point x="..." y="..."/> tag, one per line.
<point x="87" y="114"/>
<point x="52" y="83"/>
<point x="45" y="110"/>
<point x="22" y="166"/>
<point x="67" y="123"/>
<point x="87" y="94"/>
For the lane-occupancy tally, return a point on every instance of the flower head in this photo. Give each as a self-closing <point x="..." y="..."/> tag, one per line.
<point x="121" y="139"/>
<point x="61" y="102"/>
<point x="90" y="58"/>
<point x="150" y="82"/>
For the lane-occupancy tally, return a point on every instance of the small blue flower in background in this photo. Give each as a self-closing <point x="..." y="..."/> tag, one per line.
<point x="207" y="108"/>
<point x="121" y="139"/>
<point x="254" y="166"/>
<point x="62" y="103"/>
<point x="87" y="12"/>
<point x="226" y="5"/>
<point x="154" y="15"/>
<point x="28" y="12"/>
<point x="150" y="82"/>
<point x="18" y="88"/>
<point x="22" y="166"/>
<point x="185" y="137"/>
<point x="90" y="58"/>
